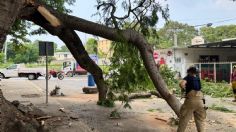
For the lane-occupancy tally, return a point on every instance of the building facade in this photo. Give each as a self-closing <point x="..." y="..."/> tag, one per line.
<point x="214" y="61"/>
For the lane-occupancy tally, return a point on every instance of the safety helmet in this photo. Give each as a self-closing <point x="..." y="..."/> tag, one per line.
<point x="234" y="66"/>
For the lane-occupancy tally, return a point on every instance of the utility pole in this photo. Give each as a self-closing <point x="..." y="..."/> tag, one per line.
<point x="175" y="40"/>
<point x="5" y="53"/>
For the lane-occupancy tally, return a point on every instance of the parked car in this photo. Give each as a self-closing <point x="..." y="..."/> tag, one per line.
<point x="19" y="70"/>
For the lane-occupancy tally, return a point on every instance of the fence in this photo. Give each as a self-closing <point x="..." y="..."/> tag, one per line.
<point x="215" y="71"/>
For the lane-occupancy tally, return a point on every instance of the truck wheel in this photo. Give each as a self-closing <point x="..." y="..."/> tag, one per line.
<point x="2" y="76"/>
<point x="60" y="76"/>
<point x="31" y="76"/>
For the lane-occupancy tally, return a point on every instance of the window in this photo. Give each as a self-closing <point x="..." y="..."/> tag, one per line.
<point x="65" y="55"/>
<point x="177" y="60"/>
<point x="208" y="58"/>
<point x="12" y="67"/>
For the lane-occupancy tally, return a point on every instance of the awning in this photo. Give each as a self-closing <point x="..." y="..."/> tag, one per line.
<point x="221" y="44"/>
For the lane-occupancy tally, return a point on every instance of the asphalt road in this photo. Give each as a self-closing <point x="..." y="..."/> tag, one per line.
<point x="69" y="85"/>
<point x="17" y="88"/>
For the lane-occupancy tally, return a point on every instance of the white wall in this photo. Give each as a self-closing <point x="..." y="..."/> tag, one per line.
<point x="182" y="58"/>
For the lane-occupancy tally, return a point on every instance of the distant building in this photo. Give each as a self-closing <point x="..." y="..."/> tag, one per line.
<point x="62" y="56"/>
<point x="104" y="49"/>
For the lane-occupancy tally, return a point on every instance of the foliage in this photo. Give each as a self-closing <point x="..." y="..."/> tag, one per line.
<point x="107" y="103"/>
<point x="140" y="15"/>
<point x="63" y="49"/>
<point x="91" y="46"/>
<point x="1" y="57"/>
<point x="128" y="74"/>
<point x="216" y="89"/>
<point x="184" y="32"/>
<point x="212" y="34"/>
<point x="5" y="65"/>
<point x="115" y="114"/>
<point x="221" y="108"/>
<point x="60" y="5"/>
<point x="127" y="71"/>
<point x="168" y="75"/>
<point x="25" y="53"/>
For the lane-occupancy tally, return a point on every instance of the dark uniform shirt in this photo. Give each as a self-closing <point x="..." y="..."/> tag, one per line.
<point x="193" y="83"/>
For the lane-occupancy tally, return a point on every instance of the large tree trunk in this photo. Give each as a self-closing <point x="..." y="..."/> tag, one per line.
<point x="9" y="10"/>
<point x="73" y="42"/>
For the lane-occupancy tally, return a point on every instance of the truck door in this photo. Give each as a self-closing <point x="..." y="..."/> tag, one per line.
<point x="12" y="71"/>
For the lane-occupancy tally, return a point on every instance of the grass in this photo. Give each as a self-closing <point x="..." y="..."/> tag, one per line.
<point x="217" y="90"/>
<point x="221" y="108"/>
<point x="5" y="65"/>
<point x="154" y="110"/>
<point x="54" y="66"/>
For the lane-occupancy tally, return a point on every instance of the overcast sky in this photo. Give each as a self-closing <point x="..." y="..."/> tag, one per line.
<point x="192" y="12"/>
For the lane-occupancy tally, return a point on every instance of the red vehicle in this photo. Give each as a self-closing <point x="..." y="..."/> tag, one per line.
<point x="55" y="74"/>
<point x="71" y="68"/>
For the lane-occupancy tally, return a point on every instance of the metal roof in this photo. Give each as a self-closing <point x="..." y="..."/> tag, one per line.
<point x="221" y="44"/>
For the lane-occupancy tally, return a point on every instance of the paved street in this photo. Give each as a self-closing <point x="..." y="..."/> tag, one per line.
<point x="21" y="88"/>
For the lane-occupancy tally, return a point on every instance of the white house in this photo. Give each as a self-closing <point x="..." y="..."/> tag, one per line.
<point x="214" y="60"/>
<point x="60" y="56"/>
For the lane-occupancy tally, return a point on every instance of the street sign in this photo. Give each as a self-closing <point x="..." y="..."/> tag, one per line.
<point x="46" y="48"/>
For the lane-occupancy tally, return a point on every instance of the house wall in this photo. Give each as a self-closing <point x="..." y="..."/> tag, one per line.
<point x="182" y="58"/>
<point x="63" y="56"/>
<point x="104" y="47"/>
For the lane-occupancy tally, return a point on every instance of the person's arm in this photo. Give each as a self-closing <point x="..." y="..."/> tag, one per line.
<point x="182" y="84"/>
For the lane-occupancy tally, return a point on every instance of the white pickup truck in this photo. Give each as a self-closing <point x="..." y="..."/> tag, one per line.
<point x="19" y="70"/>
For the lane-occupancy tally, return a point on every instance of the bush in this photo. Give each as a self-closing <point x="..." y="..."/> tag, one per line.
<point x="216" y="89"/>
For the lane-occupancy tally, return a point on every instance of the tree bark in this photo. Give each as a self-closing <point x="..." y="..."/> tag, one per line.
<point x="74" y="44"/>
<point x="9" y="10"/>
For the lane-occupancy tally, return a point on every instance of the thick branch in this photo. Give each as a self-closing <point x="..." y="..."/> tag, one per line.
<point x="129" y="36"/>
<point x="74" y="44"/>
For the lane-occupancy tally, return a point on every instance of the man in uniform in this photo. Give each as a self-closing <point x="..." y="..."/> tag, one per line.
<point x="193" y="104"/>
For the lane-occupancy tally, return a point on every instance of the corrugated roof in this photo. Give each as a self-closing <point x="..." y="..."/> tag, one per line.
<point x="221" y="44"/>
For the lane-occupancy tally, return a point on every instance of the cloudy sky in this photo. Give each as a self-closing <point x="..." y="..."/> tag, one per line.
<point x="193" y="12"/>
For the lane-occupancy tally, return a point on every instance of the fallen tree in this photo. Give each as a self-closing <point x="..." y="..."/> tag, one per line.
<point x="65" y="29"/>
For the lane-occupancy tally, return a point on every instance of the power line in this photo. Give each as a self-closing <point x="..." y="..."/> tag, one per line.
<point x="211" y="23"/>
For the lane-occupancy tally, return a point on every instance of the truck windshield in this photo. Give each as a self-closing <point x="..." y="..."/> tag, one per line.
<point x="12" y="67"/>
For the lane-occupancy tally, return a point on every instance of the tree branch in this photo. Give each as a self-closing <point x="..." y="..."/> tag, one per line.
<point x="128" y="36"/>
